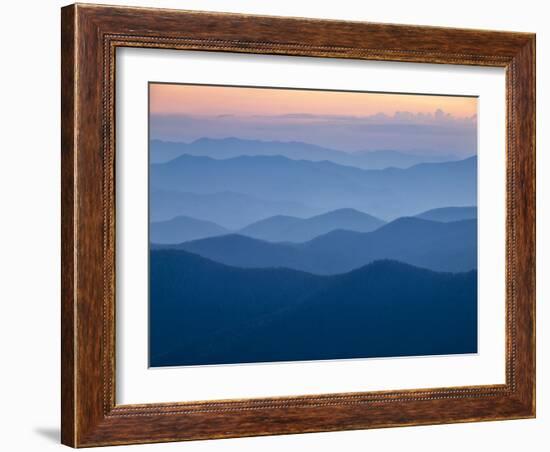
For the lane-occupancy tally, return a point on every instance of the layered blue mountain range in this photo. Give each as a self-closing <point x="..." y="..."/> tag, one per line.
<point x="224" y="148"/>
<point x="285" y="228"/>
<point x="428" y="244"/>
<point x="203" y="312"/>
<point x="284" y="251"/>
<point x="316" y="186"/>
<point x="229" y="210"/>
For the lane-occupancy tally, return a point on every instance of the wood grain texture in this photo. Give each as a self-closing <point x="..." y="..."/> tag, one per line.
<point x="67" y="226"/>
<point x="90" y="36"/>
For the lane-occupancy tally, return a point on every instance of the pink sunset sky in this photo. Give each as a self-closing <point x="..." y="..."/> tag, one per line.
<point x="337" y="119"/>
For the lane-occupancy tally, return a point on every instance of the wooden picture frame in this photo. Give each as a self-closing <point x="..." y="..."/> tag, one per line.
<point x="90" y="36"/>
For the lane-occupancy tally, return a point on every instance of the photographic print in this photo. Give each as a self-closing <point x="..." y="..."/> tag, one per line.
<point x="298" y="224"/>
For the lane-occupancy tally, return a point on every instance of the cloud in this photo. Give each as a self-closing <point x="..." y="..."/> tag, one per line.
<point x="437" y="117"/>
<point x="431" y="132"/>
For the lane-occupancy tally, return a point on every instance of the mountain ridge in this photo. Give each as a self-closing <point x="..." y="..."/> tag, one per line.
<point x="257" y="315"/>
<point x="447" y="214"/>
<point x="386" y="194"/>
<point x="183" y="228"/>
<point x="228" y="209"/>
<point x="292" y="229"/>
<point x="423" y="243"/>
<point x="222" y="148"/>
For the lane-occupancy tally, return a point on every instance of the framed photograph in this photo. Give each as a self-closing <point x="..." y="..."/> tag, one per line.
<point x="282" y="225"/>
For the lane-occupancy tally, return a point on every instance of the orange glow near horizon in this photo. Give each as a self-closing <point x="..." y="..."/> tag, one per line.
<point x="204" y="100"/>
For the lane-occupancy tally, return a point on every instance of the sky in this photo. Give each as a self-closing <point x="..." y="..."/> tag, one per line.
<point x="347" y="121"/>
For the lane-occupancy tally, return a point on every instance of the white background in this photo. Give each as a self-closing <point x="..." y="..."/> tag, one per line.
<point x="138" y="384"/>
<point x="29" y="178"/>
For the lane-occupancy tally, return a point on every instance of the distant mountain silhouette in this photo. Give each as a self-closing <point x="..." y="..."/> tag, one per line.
<point x="291" y="229"/>
<point x="251" y="315"/>
<point x="241" y="251"/>
<point x="386" y="158"/>
<point x="447" y="214"/>
<point x="182" y="229"/>
<point x="388" y="193"/>
<point x="224" y="148"/>
<point x="434" y="245"/>
<point x="450" y="247"/>
<point x="227" y="209"/>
